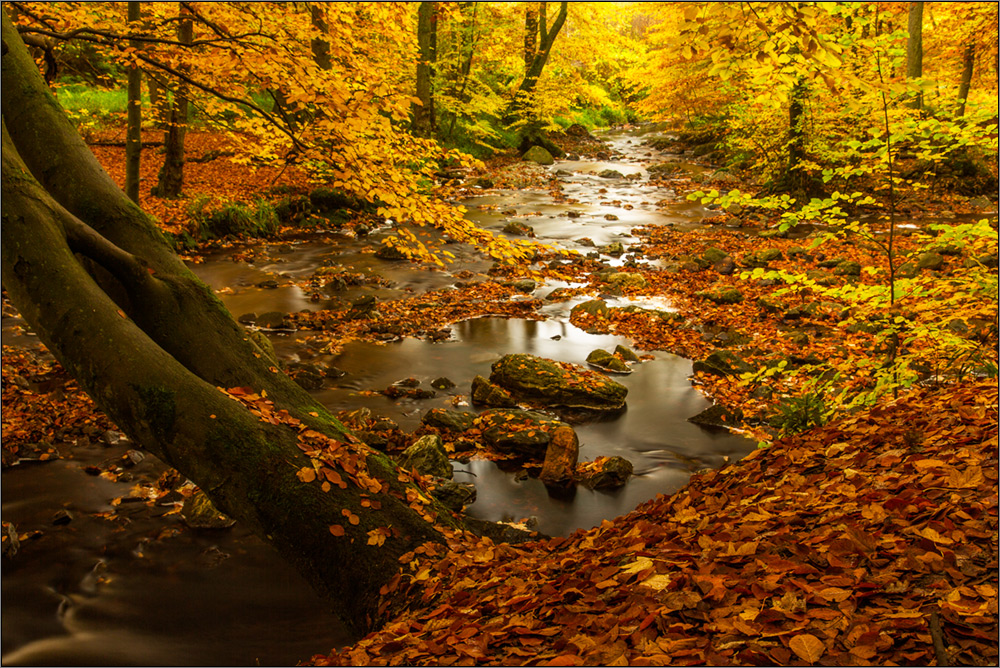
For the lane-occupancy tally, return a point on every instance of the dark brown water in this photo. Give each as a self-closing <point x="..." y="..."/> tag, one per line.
<point x="142" y="590"/>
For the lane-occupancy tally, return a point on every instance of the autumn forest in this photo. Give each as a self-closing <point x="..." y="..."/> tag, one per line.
<point x="500" y="333"/>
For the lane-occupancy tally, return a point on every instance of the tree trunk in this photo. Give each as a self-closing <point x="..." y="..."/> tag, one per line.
<point x="965" y="85"/>
<point x="133" y="132"/>
<point x="423" y="112"/>
<point x="170" y="182"/>
<point x="151" y="344"/>
<point x="530" y="33"/>
<point x="547" y="37"/>
<point x="915" y="49"/>
<point x="321" y="44"/>
<point x="796" y="135"/>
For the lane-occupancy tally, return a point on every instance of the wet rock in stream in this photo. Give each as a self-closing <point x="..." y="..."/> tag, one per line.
<point x="518" y="431"/>
<point x="608" y="362"/>
<point x="605" y="472"/>
<point x="550" y="383"/>
<point x="427" y="457"/>
<point x="485" y="393"/>
<point x="561" y="456"/>
<point x="454" y="421"/>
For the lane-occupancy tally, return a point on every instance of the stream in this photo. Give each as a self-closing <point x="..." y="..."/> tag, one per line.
<point x="144" y="589"/>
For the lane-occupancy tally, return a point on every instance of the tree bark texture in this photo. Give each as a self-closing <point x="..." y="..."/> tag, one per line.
<point x="170" y="182"/>
<point x="153" y="346"/>
<point x="423" y="113"/>
<point x="133" y="132"/>
<point x="530" y="33"/>
<point x="965" y="85"/>
<point x="915" y="49"/>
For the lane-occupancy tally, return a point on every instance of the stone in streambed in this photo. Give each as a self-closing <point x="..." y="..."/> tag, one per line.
<point x="457" y="421"/>
<point x="427" y="457"/>
<point x="519" y="431"/>
<point x="606" y="473"/>
<point x="551" y="383"/>
<point x="454" y="495"/>
<point x="561" y="457"/>
<point x="594" y="307"/>
<point x="538" y="155"/>
<point x="605" y="360"/>
<point x="485" y="393"/>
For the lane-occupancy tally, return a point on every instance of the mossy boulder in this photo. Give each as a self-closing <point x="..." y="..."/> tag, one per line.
<point x="722" y="363"/>
<point x="713" y="255"/>
<point x="615" y="248"/>
<point x="605" y="360"/>
<point x="594" y="307"/>
<point x="538" y="155"/>
<point x="427" y="457"/>
<point x="625" y="280"/>
<point x="606" y="472"/>
<point x="454" y="495"/>
<point x="848" y="268"/>
<point x="456" y="421"/>
<point x="391" y="253"/>
<point x="721" y="295"/>
<point x="930" y="260"/>
<point x="718" y="416"/>
<point x="518" y="431"/>
<point x="626" y="354"/>
<point x="485" y="393"/>
<point x="561" y="384"/>
<point x="519" y="229"/>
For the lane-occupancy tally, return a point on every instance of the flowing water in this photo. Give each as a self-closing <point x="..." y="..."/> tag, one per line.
<point x="139" y="590"/>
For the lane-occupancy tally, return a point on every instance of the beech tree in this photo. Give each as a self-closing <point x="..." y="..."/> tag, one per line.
<point x="160" y="354"/>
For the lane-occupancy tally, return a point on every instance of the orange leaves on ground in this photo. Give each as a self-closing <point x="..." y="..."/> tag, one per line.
<point x="833" y="559"/>
<point x="351" y="517"/>
<point x="337" y="530"/>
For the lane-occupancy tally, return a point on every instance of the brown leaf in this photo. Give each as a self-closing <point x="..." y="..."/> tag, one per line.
<point x="807" y="647"/>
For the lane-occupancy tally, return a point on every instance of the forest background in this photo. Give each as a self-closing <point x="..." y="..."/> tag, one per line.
<point x="848" y="117"/>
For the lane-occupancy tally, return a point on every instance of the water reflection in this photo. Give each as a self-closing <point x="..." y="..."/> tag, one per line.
<point x="653" y="433"/>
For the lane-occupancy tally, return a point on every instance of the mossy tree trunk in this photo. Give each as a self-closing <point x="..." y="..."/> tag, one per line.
<point x="133" y="132"/>
<point x="915" y="49"/>
<point x="153" y="346"/>
<point x="170" y="182"/>
<point x="423" y="112"/>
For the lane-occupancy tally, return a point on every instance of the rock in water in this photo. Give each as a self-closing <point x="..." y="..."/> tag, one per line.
<point x="560" y="457"/>
<point x="427" y="457"/>
<point x="605" y="360"/>
<point x="607" y="473"/>
<point x="538" y="155"/>
<point x="515" y="430"/>
<point x="485" y="393"/>
<point x="551" y="383"/>
<point x="455" y="495"/>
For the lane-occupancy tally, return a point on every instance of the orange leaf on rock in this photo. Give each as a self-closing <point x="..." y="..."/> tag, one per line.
<point x="336" y="530"/>
<point x="807" y="647"/>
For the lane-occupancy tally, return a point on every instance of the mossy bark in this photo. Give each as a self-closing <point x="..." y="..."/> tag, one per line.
<point x="152" y="346"/>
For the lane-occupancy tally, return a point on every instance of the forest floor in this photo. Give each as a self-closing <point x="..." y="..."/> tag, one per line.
<point x="870" y="540"/>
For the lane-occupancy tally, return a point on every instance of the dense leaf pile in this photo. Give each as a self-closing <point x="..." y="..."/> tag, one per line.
<point x="844" y="545"/>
